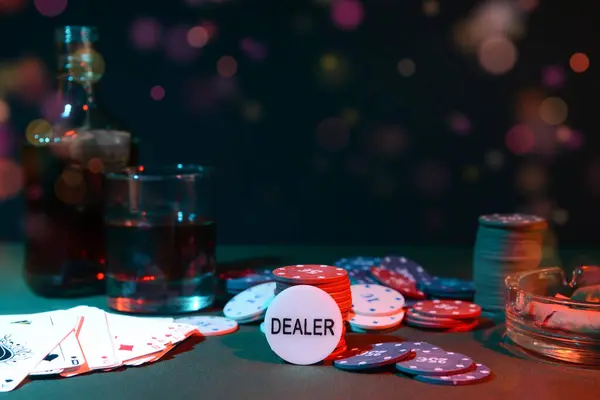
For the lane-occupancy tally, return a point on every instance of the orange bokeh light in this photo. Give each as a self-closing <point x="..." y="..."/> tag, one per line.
<point x="579" y="62"/>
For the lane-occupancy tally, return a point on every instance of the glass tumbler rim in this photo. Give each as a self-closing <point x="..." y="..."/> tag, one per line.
<point x="161" y="173"/>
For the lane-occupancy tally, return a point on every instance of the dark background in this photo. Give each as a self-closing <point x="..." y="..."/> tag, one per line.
<point x="325" y="134"/>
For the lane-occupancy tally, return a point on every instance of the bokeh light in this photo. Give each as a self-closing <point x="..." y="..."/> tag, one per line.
<point x="406" y="67"/>
<point x="227" y="66"/>
<point x="531" y="178"/>
<point x="333" y="70"/>
<point x="11" y="179"/>
<point x="31" y="80"/>
<point x="88" y="65"/>
<point x="12" y="6"/>
<point x="252" y="110"/>
<point x="459" y="124"/>
<point x="554" y="111"/>
<point x="347" y="14"/>
<point x="494" y="160"/>
<point x="497" y="55"/>
<point x="50" y="8"/>
<point x="350" y="115"/>
<point x="471" y="173"/>
<point x="253" y="49"/>
<point x="520" y="139"/>
<point x="431" y="8"/>
<point x="560" y="216"/>
<point x="4" y="111"/>
<point x="157" y="93"/>
<point x="579" y="62"/>
<point x="145" y="33"/>
<point x="431" y="178"/>
<point x="176" y="45"/>
<point x="333" y="134"/>
<point x="198" y="37"/>
<point x="527" y="105"/>
<point x="38" y="132"/>
<point x="388" y="141"/>
<point x="528" y="5"/>
<point x="6" y="140"/>
<point x="553" y="77"/>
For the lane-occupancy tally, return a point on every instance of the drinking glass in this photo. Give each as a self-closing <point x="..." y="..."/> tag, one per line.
<point x="161" y="232"/>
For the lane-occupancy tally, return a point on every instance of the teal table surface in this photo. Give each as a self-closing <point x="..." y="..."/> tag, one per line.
<point x="241" y="365"/>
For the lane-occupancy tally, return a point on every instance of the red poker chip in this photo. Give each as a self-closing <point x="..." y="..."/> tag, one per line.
<point x="434" y="320"/>
<point x="310" y="274"/>
<point x="457" y="309"/>
<point x="398" y="282"/>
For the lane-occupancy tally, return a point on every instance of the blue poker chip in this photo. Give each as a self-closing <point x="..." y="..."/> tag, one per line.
<point x="361" y="276"/>
<point x="449" y="285"/>
<point x="435" y="362"/>
<point x="357" y="263"/>
<point x="481" y="373"/>
<point x="372" y="356"/>
<point x="407" y="267"/>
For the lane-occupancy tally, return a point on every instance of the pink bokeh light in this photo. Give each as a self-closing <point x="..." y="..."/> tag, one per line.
<point x="50" y="8"/>
<point x="253" y="49"/>
<point x="520" y="140"/>
<point x="6" y="140"/>
<point x="553" y="77"/>
<point x="145" y="33"/>
<point x="157" y="93"/>
<point x="347" y="14"/>
<point x="177" y="46"/>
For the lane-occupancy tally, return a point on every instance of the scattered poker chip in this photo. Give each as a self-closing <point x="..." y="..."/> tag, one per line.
<point x="357" y="262"/>
<point x="356" y="329"/>
<point x="397" y="282"/>
<point x="376" y="300"/>
<point x="407" y="267"/>
<point x="372" y="356"/>
<point x="481" y="373"/>
<point x="249" y="305"/>
<point x="374" y="322"/>
<point x="418" y="346"/>
<point x="310" y="274"/>
<point x="262" y="327"/>
<point x="361" y="276"/>
<point x="412" y="314"/>
<point x="435" y="362"/>
<point x="451" y="285"/>
<point x="210" y="325"/>
<point x="448" y="308"/>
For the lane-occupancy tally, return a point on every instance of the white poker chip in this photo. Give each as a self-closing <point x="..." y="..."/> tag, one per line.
<point x="251" y="303"/>
<point x="376" y="300"/>
<point x="303" y="325"/>
<point x="209" y="325"/>
<point x="375" y="322"/>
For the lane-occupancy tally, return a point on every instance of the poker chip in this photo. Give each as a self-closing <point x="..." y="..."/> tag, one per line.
<point x="424" y="318"/>
<point x="435" y="362"/>
<point x="407" y="267"/>
<point x="262" y="327"/>
<point x="210" y="325"/>
<point x="365" y="322"/>
<point x="418" y="346"/>
<point x="397" y="281"/>
<point x="457" y="309"/>
<point x="372" y="356"/>
<point x="238" y="281"/>
<point x="357" y="262"/>
<point x="303" y="325"/>
<point x="361" y="276"/>
<point x="310" y="274"/>
<point x="506" y="245"/>
<point x="251" y="304"/>
<point x="375" y="300"/>
<point x="479" y="374"/>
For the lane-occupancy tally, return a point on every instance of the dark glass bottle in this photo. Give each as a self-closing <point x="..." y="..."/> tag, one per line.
<point x="64" y="176"/>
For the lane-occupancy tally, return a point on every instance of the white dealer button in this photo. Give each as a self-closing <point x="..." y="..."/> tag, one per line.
<point x="303" y="325"/>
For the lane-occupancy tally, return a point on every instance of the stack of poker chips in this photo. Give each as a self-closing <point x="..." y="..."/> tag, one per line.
<point x="448" y="315"/>
<point x="238" y="281"/>
<point x="375" y="308"/>
<point x="332" y="280"/>
<point x="251" y="304"/>
<point x="506" y="244"/>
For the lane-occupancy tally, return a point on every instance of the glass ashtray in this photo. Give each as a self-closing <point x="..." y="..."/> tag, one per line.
<point x="543" y="319"/>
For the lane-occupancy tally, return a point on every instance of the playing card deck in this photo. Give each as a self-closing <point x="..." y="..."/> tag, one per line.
<point x="79" y="340"/>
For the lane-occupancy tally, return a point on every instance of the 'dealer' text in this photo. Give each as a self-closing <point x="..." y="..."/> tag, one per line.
<point x="302" y="326"/>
